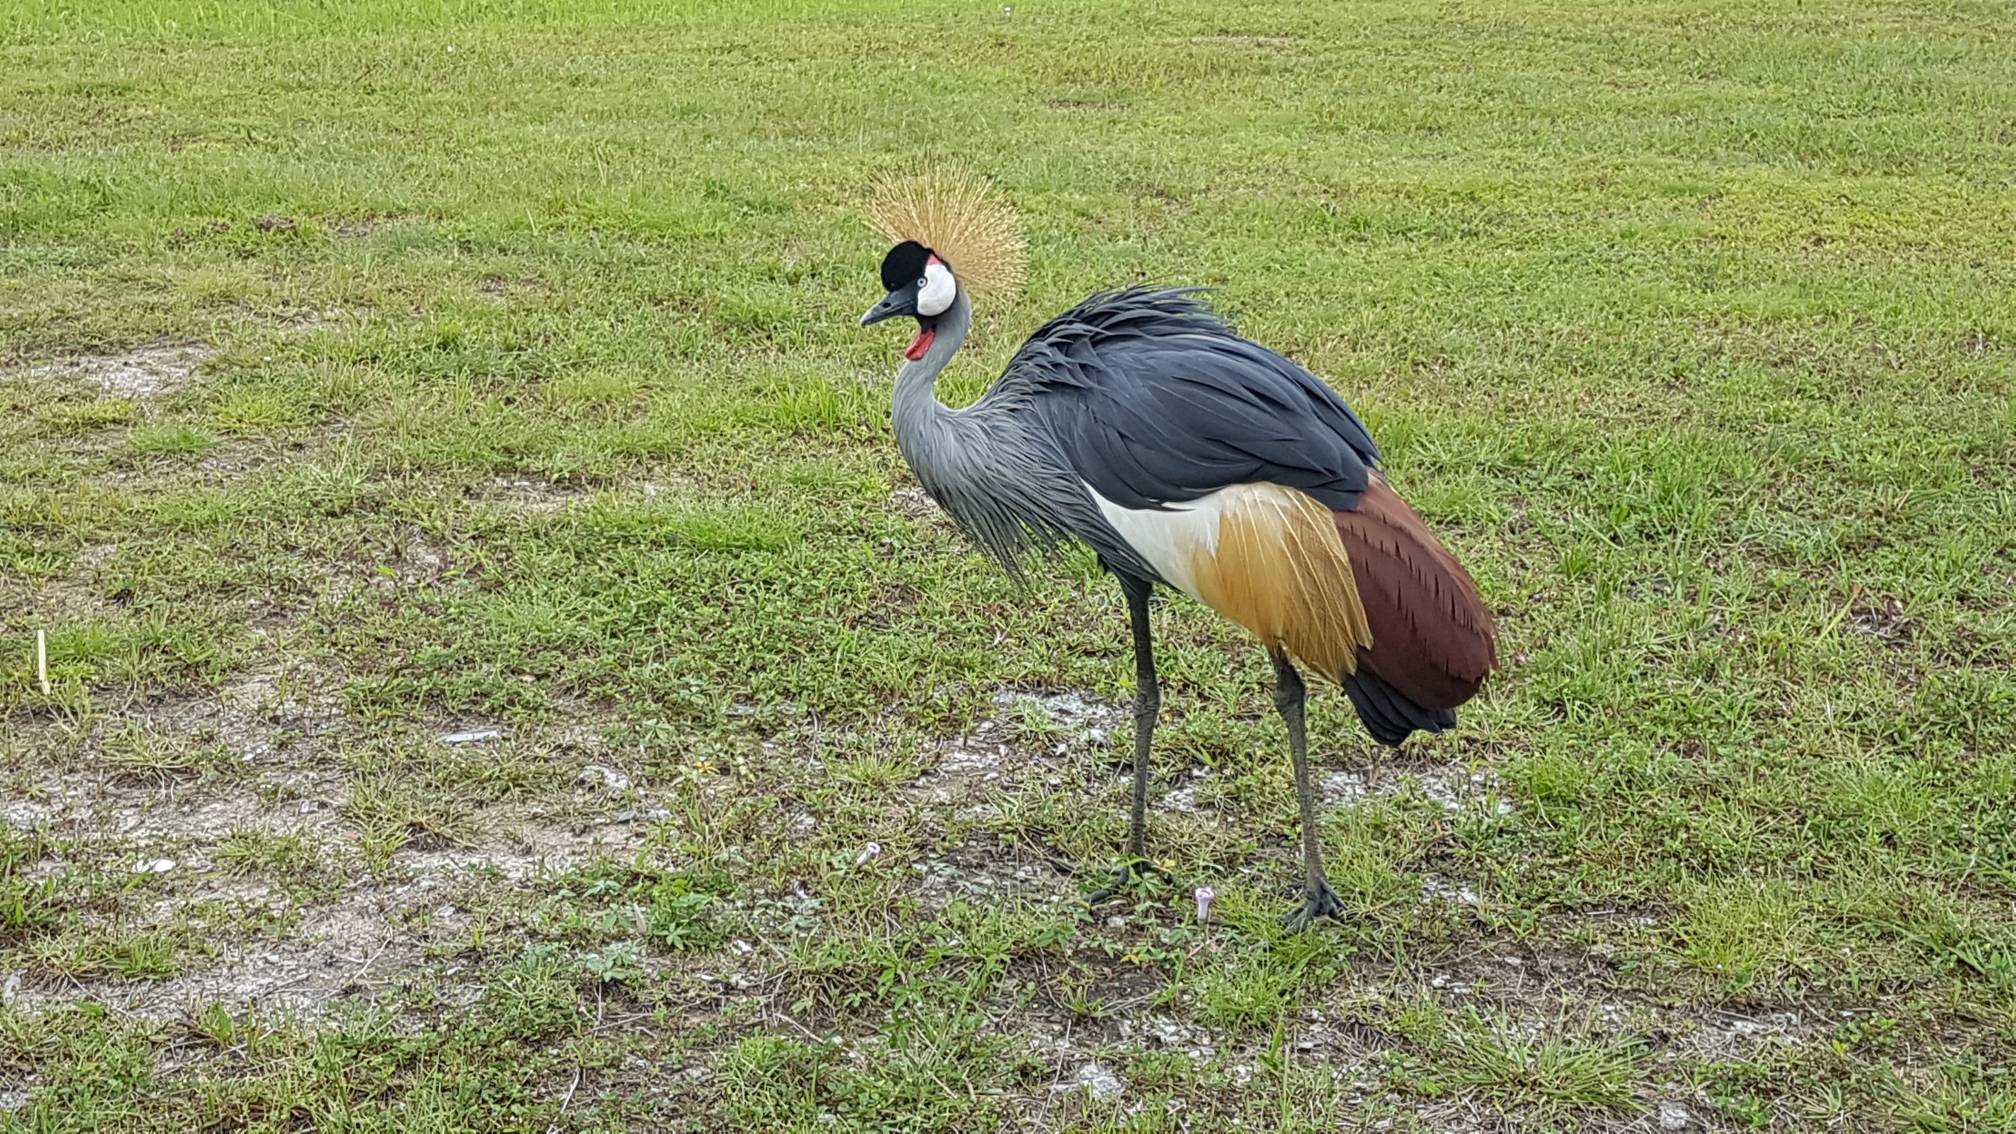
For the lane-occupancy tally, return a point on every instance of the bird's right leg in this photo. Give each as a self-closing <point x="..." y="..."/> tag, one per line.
<point x="1318" y="900"/>
<point x="1147" y="706"/>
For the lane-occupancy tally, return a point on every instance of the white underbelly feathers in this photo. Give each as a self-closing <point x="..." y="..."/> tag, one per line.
<point x="1169" y="540"/>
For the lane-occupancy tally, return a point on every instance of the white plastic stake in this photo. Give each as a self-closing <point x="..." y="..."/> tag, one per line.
<point x="42" y="660"/>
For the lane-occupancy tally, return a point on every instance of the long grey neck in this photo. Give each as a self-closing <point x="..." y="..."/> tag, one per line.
<point x="999" y="480"/>
<point x="916" y="407"/>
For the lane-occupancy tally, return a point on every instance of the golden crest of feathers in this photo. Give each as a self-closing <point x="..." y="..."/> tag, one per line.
<point x="957" y="215"/>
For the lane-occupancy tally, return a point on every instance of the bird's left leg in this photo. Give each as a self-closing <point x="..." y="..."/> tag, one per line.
<point x="1318" y="899"/>
<point x="1147" y="706"/>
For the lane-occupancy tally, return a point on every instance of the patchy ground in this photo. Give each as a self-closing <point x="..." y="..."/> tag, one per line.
<point x="143" y="372"/>
<point x="501" y="676"/>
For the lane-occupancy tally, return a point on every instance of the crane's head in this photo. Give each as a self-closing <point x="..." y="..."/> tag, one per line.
<point x="919" y="284"/>
<point x="952" y="236"/>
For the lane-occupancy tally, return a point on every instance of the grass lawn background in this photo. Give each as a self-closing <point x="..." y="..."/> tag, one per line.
<point x="489" y="620"/>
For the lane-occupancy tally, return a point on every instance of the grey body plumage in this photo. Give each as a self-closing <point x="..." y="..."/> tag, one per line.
<point x="1133" y="409"/>
<point x="1158" y="401"/>
<point x="1144" y="395"/>
<point x="994" y="466"/>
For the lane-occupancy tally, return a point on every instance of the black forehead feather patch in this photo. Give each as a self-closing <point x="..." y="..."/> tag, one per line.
<point x="904" y="265"/>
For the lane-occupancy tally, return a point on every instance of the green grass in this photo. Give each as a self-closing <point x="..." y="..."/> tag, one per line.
<point x="494" y="367"/>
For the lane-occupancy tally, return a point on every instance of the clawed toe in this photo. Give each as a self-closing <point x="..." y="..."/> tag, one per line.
<point x="1318" y="902"/>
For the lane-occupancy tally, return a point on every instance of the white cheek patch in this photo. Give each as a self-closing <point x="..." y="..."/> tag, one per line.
<point x="937" y="290"/>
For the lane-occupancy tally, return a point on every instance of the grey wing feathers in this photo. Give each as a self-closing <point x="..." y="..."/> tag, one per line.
<point x="1154" y="400"/>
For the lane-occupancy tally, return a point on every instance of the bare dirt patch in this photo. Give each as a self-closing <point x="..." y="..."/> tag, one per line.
<point x="504" y="287"/>
<point x="359" y="227"/>
<point x="1732" y="1035"/>
<point x="412" y="558"/>
<point x="1453" y="788"/>
<point x="343" y="952"/>
<point x="257" y="714"/>
<point x="325" y="935"/>
<point x="991" y="877"/>
<point x="1884" y="621"/>
<point x="197" y="813"/>
<point x="913" y="502"/>
<point x="1458" y="788"/>
<point x="530" y="494"/>
<point x="142" y="372"/>
<point x="74" y="594"/>
<point x="1025" y="743"/>
<point x="298" y="320"/>
<point x="1080" y="719"/>
<point x="520" y="845"/>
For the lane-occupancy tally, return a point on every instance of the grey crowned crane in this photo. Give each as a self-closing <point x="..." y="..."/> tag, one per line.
<point x="1142" y="425"/>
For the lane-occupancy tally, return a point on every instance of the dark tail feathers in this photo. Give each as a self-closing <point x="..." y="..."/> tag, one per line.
<point x="1388" y="715"/>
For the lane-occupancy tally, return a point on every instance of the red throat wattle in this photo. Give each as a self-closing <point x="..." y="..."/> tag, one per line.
<point x="920" y="344"/>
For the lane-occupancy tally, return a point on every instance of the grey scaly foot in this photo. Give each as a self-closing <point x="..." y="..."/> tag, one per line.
<point x="1319" y="902"/>
<point x="1124" y="878"/>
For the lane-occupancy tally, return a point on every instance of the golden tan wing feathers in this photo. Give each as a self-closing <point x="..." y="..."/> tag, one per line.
<point x="1278" y="569"/>
<point x="1341" y="591"/>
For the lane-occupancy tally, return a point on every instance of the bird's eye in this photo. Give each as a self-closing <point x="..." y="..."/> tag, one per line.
<point x="923" y="281"/>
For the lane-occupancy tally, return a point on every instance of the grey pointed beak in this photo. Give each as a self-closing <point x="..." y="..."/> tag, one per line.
<point x="902" y="302"/>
